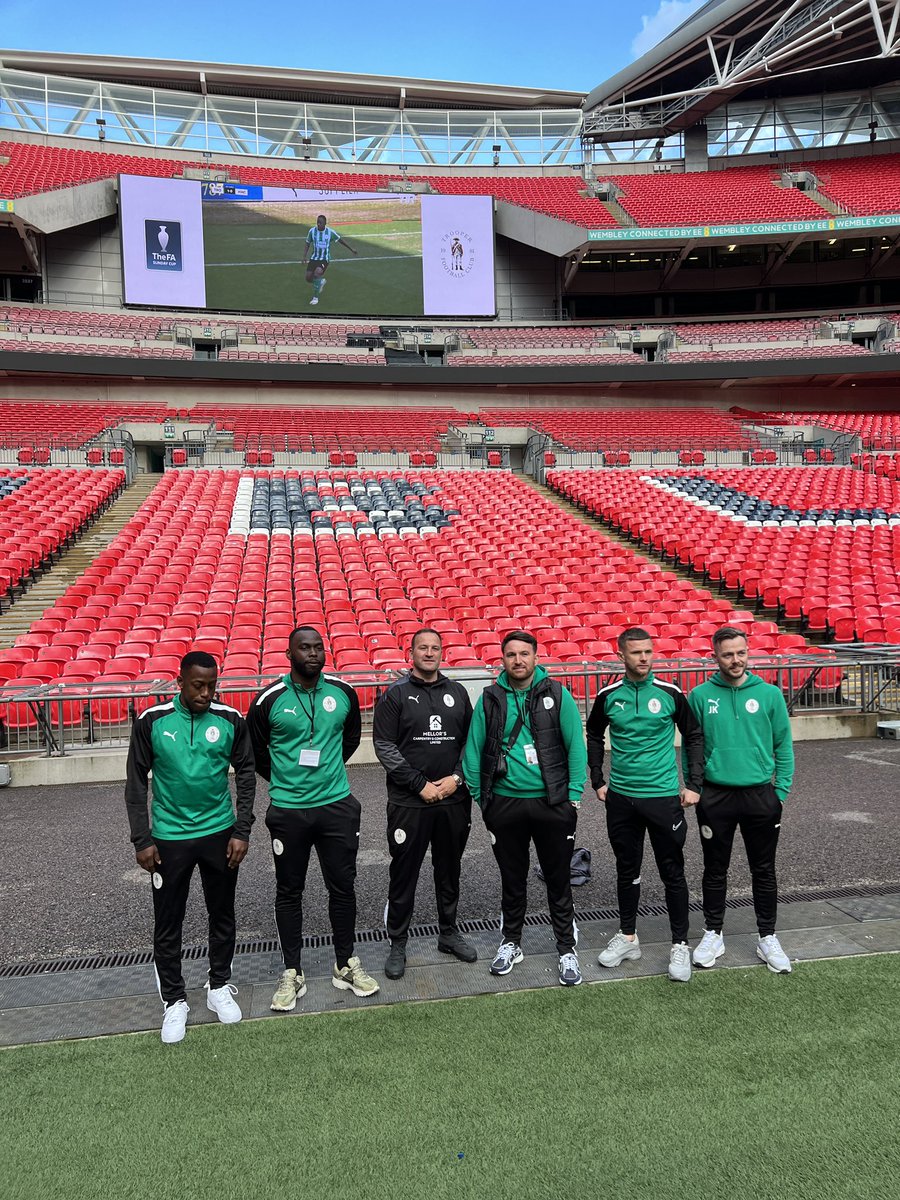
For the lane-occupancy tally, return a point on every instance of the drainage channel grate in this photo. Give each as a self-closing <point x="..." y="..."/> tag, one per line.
<point x="138" y="958"/>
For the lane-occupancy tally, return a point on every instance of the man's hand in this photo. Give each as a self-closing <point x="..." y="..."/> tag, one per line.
<point x="148" y="858"/>
<point x="446" y="786"/>
<point x="236" y="852"/>
<point x="601" y="792"/>
<point x="689" y="798"/>
<point x="430" y="793"/>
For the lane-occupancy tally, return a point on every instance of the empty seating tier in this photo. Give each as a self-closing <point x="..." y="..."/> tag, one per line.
<point x="56" y="425"/>
<point x="42" y="510"/>
<point x="230" y="562"/>
<point x="743" y="194"/>
<point x="829" y="555"/>
<point x="313" y="429"/>
<point x="736" y="194"/>
<point x="878" y="430"/>
<point x="628" y="429"/>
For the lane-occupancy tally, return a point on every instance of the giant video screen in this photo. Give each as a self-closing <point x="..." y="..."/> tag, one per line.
<point x="251" y="248"/>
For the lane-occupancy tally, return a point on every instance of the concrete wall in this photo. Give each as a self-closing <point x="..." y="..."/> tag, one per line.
<point x="526" y="282"/>
<point x="83" y="265"/>
<point x="463" y="393"/>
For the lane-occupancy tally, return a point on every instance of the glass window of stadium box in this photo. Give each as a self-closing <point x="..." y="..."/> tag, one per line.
<point x="738" y="256"/>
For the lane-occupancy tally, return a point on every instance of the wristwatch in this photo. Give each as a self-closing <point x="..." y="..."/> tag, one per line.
<point x="458" y="778"/>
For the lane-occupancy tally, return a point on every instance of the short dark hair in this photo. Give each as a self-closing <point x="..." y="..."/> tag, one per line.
<point x="519" y="635"/>
<point x="304" y="629"/>
<point x="322" y="217"/>
<point x="634" y="634"/>
<point x="420" y="632"/>
<point x="725" y="634"/>
<point x="197" y="658"/>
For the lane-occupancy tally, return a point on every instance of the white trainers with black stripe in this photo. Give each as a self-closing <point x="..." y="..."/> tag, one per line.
<point x="770" y="951"/>
<point x="710" y="947"/>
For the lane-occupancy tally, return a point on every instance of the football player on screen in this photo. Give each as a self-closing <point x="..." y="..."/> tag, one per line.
<point x="317" y="254"/>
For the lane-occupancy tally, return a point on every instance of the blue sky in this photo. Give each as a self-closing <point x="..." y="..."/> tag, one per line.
<point x="576" y="46"/>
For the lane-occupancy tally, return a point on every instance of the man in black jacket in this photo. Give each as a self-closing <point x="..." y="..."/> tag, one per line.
<point x="525" y="764"/>
<point x="419" y="731"/>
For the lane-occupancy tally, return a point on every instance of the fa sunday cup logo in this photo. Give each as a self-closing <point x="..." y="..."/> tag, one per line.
<point x="163" y="245"/>
<point x="457" y="253"/>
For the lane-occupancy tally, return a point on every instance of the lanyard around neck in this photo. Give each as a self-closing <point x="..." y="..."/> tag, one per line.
<point x="522" y="708"/>
<point x="309" y="712"/>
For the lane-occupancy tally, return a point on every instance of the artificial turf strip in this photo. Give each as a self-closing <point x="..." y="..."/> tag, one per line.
<point x="741" y="1085"/>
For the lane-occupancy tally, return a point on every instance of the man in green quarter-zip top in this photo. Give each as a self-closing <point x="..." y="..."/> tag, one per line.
<point x="189" y="743"/>
<point x="748" y="771"/>
<point x="525" y="764"/>
<point x="643" y="794"/>
<point x="304" y="728"/>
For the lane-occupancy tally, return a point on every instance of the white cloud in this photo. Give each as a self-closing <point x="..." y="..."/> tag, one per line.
<point x="658" y="25"/>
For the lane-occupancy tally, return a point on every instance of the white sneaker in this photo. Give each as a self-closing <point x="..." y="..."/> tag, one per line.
<point x="174" y="1022"/>
<point x="770" y="951"/>
<point x="315" y="300"/>
<point x="710" y="947"/>
<point x="619" y="949"/>
<point x="219" y="1001"/>
<point x="680" y="962"/>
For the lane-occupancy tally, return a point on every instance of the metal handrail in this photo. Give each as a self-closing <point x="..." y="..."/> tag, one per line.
<point x="852" y="679"/>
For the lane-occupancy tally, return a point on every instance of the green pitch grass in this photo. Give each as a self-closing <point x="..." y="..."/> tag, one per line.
<point x="259" y="268"/>
<point x="741" y="1085"/>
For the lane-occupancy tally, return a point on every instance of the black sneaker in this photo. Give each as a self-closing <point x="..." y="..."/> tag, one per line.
<point x="395" y="963"/>
<point x="455" y="944"/>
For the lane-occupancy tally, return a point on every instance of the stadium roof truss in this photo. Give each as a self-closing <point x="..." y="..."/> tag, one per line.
<point x="758" y="47"/>
<point x="406" y="124"/>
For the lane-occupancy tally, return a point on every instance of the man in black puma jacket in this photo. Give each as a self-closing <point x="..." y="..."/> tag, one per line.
<point x="420" y="728"/>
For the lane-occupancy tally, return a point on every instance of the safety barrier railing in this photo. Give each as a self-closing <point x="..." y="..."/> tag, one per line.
<point x="58" y="718"/>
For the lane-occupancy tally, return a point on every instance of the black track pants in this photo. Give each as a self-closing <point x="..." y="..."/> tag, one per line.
<point x="334" y="831"/>
<point x="410" y="831"/>
<point x="171" y="885"/>
<point x="756" y="811"/>
<point x="513" y="823"/>
<point x="626" y="825"/>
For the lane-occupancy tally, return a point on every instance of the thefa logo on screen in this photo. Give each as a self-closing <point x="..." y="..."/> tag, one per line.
<point x="457" y="253"/>
<point x="163" y="242"/>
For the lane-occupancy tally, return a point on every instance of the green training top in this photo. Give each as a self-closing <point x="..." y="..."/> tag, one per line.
<point x="524" y="778"/>
<point x="189" y="755"/>
<point x="301" y="740"/>
<point x="746" y="733"/>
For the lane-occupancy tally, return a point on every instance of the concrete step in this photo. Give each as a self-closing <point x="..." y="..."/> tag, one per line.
<point x="46" y="591"/>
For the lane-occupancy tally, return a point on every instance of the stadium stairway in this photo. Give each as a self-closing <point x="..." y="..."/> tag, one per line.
<point x="48" y="589"/>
